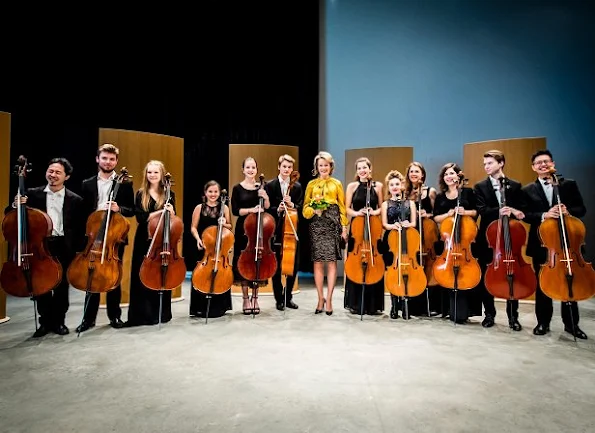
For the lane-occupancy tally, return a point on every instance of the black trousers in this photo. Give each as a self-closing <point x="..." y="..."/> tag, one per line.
<point x="278" y="284"/>
<point x="544" y="306"/>
<point x="487" y="299"/>
<point x="52" y="306"/>
<point x="113" y="299"/>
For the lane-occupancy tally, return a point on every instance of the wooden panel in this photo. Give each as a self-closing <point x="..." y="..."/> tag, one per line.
<point x="136" y="149"/>
<point x="517" y="152"/>
<point x="4" y="196"/>
<point x="267" y="158"/>
<point x="383" y="159"/>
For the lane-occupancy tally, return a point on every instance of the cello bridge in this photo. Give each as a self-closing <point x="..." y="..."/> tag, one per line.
<point x="165" y="253"/>
<point x="508" y="261"/>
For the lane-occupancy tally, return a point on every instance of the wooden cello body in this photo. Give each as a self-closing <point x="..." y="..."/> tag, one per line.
<point x="508" y="276"/>
<point x="257" y="262"/>
<point x="163" y="267"/>
<point x="30" y="270"/>
<point x="290" y="238"/>
<point x="364" y="264"/>
<point x="98" y="268"/>
<point x="213" y="275"/>
<point x="406" y="276"/>
<point x="565" y="276"/>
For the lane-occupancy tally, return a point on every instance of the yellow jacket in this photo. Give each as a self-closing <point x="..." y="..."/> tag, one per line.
<point x="331" y="190"/>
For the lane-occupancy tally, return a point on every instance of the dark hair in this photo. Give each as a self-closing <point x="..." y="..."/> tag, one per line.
<point x="211" y="183"/>
<point x="445" y="167"/>
<point x="408" y="184"/>
<point x="250" y="157"/>
<point x="541" y="152"/>
<point x="108" y="148"/>
<point x="497" y="155"/>
<point x="64" y="162"/>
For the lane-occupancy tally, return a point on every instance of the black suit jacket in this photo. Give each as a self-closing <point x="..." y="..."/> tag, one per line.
<point x="124" y="198"/>
<point x="537" y="204"/>
<point x="72" y="215"/>
<point x="273" y="189"/>
<point x="489" y="210"/>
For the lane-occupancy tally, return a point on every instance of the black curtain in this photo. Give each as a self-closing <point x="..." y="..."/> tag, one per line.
<point x="229" y="73"/>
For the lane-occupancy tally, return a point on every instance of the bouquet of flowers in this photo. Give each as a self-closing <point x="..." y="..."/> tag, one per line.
<point x="319" y="202"/>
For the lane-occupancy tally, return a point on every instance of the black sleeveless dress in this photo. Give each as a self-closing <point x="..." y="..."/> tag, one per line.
<point x="374" y="293"/>
<point x="198" y="300"/>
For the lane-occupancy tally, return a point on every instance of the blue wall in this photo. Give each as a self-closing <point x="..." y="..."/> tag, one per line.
<point x="435" y="74"/>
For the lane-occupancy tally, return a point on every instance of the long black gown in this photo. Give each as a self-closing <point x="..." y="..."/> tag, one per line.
<point x="468" y="301"/>
<point x="374" y="293"/>
<point x="198" y="300"/>
<point x="143" y="308"/>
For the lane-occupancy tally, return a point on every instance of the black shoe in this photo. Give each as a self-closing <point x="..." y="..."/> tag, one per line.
<point x="116" y="323"/>
<point x="329" y="313"/>
<point x="41" y="331"/>
<point x="61" y="330"/>
<point x="84" y="326"/>
<point x="292" y="305"/>
<point x="394" y="314"/>
<point x="578" y="332"/>
<point x="515" y="325"/>
<point x="541" y="329"/>
<point x="280" y="306"/>
<point x="488" y="322"/>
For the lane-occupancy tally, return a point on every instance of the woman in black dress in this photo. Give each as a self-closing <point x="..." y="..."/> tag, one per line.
<point x="415" y="179"/>
<point x="143" y="308"/>
<point x="245" y="198"/>
<point x="396" y="214"/>
<point x="468" y="302"/>
<point x="207" y="215"/>
<point x="355" y="204"/>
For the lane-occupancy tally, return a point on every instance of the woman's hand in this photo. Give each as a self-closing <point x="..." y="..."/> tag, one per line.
<point x="169" y="207"/>
<point x="406" y="224"/>
<point x="262" y="193"/>
<point x="318" y="212"/>
<point x="396" y="226"/>
<point x="199" y="244"/>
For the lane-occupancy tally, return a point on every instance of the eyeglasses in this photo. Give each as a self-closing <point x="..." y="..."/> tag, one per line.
<point x="542" y="162"/>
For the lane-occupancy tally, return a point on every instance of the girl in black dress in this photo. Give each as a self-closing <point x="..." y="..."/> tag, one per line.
<point x="396" y="214"/>
<point x="143" y="308"/>
<point x="415" y="179"/>
<point x="468" y="302"/>
<point x="207" y="215"/>
<point x="355" y="204"/>
<point x="244" y="201"/>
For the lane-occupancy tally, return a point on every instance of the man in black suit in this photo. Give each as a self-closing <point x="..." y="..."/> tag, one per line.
<point x="64" y="208"/>
<point x="280" y="197"/>
<point x="489" y="200"/>
<point x="96" y="191"/>
<point x="541" y="205"/>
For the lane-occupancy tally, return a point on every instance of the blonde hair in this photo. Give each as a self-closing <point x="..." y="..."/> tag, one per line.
<point x="327" y="157"/>
<point x="362" y="159"/>
<point x="287" y="158"/>
<point x="144" y="190"/>
<point x="393" y="174"/>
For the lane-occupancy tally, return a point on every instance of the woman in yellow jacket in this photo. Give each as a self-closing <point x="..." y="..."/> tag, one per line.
<point x="324" y="205"/>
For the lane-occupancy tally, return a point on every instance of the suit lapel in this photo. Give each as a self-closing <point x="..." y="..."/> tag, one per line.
<point x="491" y="193"/>
<point x="541" y="194"/>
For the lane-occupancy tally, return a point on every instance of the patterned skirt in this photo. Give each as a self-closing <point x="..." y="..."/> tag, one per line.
<point x="325" y="235"/>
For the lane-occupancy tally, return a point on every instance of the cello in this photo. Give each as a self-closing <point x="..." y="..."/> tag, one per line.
<point x="508" y="276"/>
<point x="406" y="276"/>
<point x="257" y="262"/>
<point x="456" y="268"/>
<point x="290" y="237"/>
<point x="364" y="264"/>
<point x="163" y="268"/>
<point x="565" y="276"/>
<point x="30" y="270"/>
<point x="98" y="268"/>
<point x="214" y="274"/>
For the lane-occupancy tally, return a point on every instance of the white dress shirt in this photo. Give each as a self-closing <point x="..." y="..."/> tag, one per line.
<point x="548" y="189"/>
<point x="54" y="202"/>
<point x="103" y="190"/>
<point x="284" y="185"/>
<point x="496" y="186"/>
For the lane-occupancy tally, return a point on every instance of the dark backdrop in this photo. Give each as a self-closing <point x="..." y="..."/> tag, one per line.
<point x="223" y="73"/>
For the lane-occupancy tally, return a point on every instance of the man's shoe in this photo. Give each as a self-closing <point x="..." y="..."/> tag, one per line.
<point x="280" y="306"/>
<point x="116" y="323"/>
<point x="292" y="305"/>
<point x="515" y="325"/>
<point x="541" y="329"/>
<point x="84" y="326"/>
<point x="61" y="330"/>
<point x="578" y="332"/>
<point x="41" y="331"/>
<point x="488" y="322"/>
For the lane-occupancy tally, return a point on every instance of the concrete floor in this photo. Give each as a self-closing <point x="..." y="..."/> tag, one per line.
<point x="301" y="373"/>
